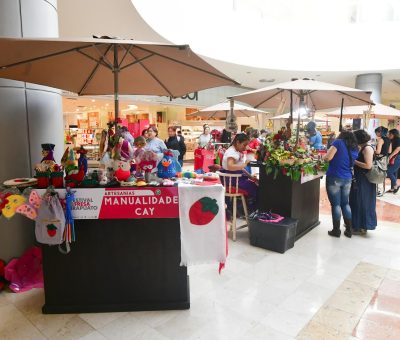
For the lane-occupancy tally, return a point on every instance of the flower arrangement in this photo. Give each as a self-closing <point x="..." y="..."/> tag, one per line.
<point x="290" y="160"/>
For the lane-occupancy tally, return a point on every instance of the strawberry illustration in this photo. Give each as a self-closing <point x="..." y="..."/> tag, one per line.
<point x="203" y="211"/>
<point x="51" y="230"/>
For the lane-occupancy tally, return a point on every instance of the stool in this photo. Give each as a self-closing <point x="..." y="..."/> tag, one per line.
<point x="231" y="185"/>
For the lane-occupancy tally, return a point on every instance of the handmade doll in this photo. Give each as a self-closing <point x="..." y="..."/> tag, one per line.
<point x="140" y="143"/>
<point x="168" y="166"/>
<point x="148" y="162"/>
<point x="48" y="154"/>
<point x="82" y="161"/>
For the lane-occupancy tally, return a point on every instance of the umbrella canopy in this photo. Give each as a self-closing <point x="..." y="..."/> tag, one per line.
<point x="378" y="111"/>
<point x="105" y="66"/>
<point x="316" y="95"/>
<point x="313" y="94"/>
<point x="302" y="117"/>
<point x="222" y="110"/>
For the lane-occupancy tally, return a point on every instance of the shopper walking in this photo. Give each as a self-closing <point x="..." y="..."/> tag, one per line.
<point x="175" y="142"/>
<point x="154" y="143"/>
<point x="363" y="192"/>
<point x="394" y="159"/>
<point x="381" y="151"/>
<point x="341" y="156"/>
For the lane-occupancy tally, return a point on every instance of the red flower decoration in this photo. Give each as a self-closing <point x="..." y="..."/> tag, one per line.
<point x="3" y="200"/>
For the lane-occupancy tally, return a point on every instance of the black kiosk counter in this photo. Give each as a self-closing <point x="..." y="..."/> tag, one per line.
<point x="295" y="199"/>
<point x="126" y="257"/>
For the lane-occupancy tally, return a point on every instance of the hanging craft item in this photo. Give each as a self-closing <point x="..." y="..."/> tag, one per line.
<point x="69" y="232"/>
<point x="13" y="202"/>
<point x="4" y="200"/>
<point x="50" y="222"/>
<point x="30" y="209"/>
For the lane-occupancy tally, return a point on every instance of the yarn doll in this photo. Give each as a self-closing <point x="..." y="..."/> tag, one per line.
<point x="168" y="166"/>
<point x="82" y="161"/>
<point x="140" y="143"/>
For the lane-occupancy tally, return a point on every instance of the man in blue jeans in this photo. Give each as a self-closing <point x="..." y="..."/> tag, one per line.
<point x="341" y="156"/>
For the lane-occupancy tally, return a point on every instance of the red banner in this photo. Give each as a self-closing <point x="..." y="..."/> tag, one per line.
<point x="140" y="203"/>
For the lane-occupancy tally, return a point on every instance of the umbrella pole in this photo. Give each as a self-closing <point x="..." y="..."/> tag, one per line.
<point x="116" y="83"/>
<point x="301" y="105"/>
<point x="341" y="116"/>
<point x="291" y="106"/>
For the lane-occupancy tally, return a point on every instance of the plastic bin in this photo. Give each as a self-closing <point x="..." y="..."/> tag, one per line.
<point x="277" y="237"/>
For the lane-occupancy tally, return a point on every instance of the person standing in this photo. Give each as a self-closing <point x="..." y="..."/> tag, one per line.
<point x="263" y="136"/>
<point x="394" y="159"/>
<point x="252" y="149"/>
<point x="175" y="142"/>
<point x="154" y="143"/>
<point x="381" y="150"/>
<point x="363" y="192"/>
<point x="341" y="156"/>
<point x="314" y="136"/>
<point x="205" y="137"/>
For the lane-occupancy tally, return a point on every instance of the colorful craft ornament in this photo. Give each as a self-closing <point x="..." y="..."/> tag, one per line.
<point x="69" y="231"/>
<point x="122" y="170"/>
<point x="4" y="200"/>
<point x="14" y="201"/>
<point x="47" y="153"/>
<point x="168" y="166"/>
<point x="82" y="161"/>
<point x="30" y="209"/>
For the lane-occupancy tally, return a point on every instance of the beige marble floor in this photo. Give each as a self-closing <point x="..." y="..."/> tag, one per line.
<point x="365" y="306"/>
<point x="260" y="295"/>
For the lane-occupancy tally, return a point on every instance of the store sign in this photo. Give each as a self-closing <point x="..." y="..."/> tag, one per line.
<point x="124" y="203"/>
<point x="189" y="96"/>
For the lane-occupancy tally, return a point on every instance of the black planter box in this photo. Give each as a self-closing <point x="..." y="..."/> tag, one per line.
<point x="277" y="237"/>
<point x="290" y="198"/>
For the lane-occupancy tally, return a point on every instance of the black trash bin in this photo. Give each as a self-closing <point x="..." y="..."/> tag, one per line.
<point x="277" y="237"/>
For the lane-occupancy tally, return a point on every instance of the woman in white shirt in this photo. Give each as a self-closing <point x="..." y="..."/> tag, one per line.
<point x="205" y="137"/>
<point x="235" y="161"/>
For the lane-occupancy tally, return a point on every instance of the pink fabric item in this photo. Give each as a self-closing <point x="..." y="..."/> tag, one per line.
<point x="25" y="272"/>
<point x="277" y="218"/>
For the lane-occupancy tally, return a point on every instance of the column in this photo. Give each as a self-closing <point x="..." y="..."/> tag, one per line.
<point x="29" y="114"/>
<point x="371" y="82"/>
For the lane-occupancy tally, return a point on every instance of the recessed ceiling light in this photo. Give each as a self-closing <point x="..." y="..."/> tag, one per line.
<point x="267" y="80"/>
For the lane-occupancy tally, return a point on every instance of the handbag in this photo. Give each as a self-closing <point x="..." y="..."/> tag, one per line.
<point x="377" y="174"/>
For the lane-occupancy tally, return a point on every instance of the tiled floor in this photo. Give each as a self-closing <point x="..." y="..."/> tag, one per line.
<point x="365" y="306"/>
<point x="260" y="295"/>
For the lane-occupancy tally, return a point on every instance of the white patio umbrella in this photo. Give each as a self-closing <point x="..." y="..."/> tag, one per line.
<point x="100" y="66"/>
<point x="313" y="94"/>
<point x="378" y="111"/>
<point x="222" y="110"/>
<point x="302" y="117"/>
